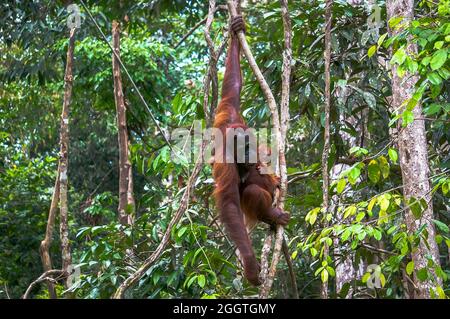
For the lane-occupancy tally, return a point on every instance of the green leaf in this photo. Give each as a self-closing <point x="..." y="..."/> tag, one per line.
<point x="324" y="275"/>
<point x="356" y="150"/>
<point x="391" y="229"/>
<point x="438" y="44"/>
<point x="311" y="217"/>
<point x="410" y="267"/>
<point x="349" y="211"/>
<point x="189" y="283"/>
<point x="371" y="204"/>
<point x="377" y="234"/>
<point x="438" y="59"/>
<point x="426" y="60"/>
<point x="365" y="277"/>
<point x="393" y="155"/>
<point x="412" y="103"/>
<point x="399" y="56"/>
<point x="176" y="102"/>
<point x="415" y="208"/>
<point x="435" y="90"/>
<point x="445" y="188"/>
<point x="382" y="280"/>
<point x="384" y="202"/>
<point x="432" y="109"/>
<point x="182" y="231"/>
<point x="444" y="73"/>
<point x="362" y="235"/>
<point x="360" y="217"/>
<point x="384" y="166"/>
<point x="346" y="234"/>
<point x="422" y="274"/>
<point x="440" y="293"/>
<point x="353" y="175"/>
<point x="156" y="278"/>
<point x="434" y="78"/>
<point x="412" y="65"/>
<point x="405" y="249"/>
<point x="341" y="185"/>
<point x="401" y="71"/>
<point x="201" y="280"/>
<point x="442" y="227"/>
<point x="381" y="39"/>
<point x="331" y="271"/>
<point x="382" y="217"/>
<point x="407" y="117"/>
<point x="374" y="171"/>
<point x="394" y="21"/>
<point x="371" y="51"/>
<point x="318" y="271"/>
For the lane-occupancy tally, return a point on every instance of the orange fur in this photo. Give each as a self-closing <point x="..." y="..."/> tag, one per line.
<point x="234" y="195"/>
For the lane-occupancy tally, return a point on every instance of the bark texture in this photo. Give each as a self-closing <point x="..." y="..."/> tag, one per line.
<point x="47" y="241"/>
<point x="326" y="134"/>
<point x="64" y="160"/>
<point x="413" y="155"/>
<point x="126" y="200"/>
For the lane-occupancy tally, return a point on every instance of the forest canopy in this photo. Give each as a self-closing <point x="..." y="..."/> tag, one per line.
<point x="93" y="95"/>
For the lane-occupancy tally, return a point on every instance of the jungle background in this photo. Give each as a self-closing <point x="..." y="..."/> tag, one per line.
<point x="364" y="232"/>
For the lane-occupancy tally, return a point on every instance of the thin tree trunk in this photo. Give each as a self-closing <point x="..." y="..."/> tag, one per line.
<point x="64" y="160"/>
<point x="211" y="73"/>
<point x="412" y="145"/>
<point x="47" y="276"/>
<point x="126" y="200"/>
<point x="47" y="241"/>
<point x="130" y="197"/>
<point x="326" y="145"/>
<point x="285" y="94"/>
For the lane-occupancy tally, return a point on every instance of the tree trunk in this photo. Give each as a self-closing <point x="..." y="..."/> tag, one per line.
<point x="47" y="241"/>
<point x="64" y="161"/>
<point x="126" y="200"/>
<point x="326" y="145"/>
<point x="412" y="145"/>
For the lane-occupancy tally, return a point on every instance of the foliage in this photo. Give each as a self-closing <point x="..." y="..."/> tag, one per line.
<point x="367" y="222"/>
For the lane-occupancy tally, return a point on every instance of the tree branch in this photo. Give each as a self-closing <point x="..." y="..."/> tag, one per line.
<point x="46" y="276"/>
<point x="126" y="200"/>
<point x="64" y="158"/>
<point x="133" y="278"/>
<point x="47" y="241"/>
<point x="287" y="256"/>
<point x="197" y="25"/>
<point x="326" y="146"/>
<point x="281" y="167"/>
<point x="211" y="77"/>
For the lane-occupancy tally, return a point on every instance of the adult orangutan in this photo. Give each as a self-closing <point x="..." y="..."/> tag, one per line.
<point x="240" y="187"/>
